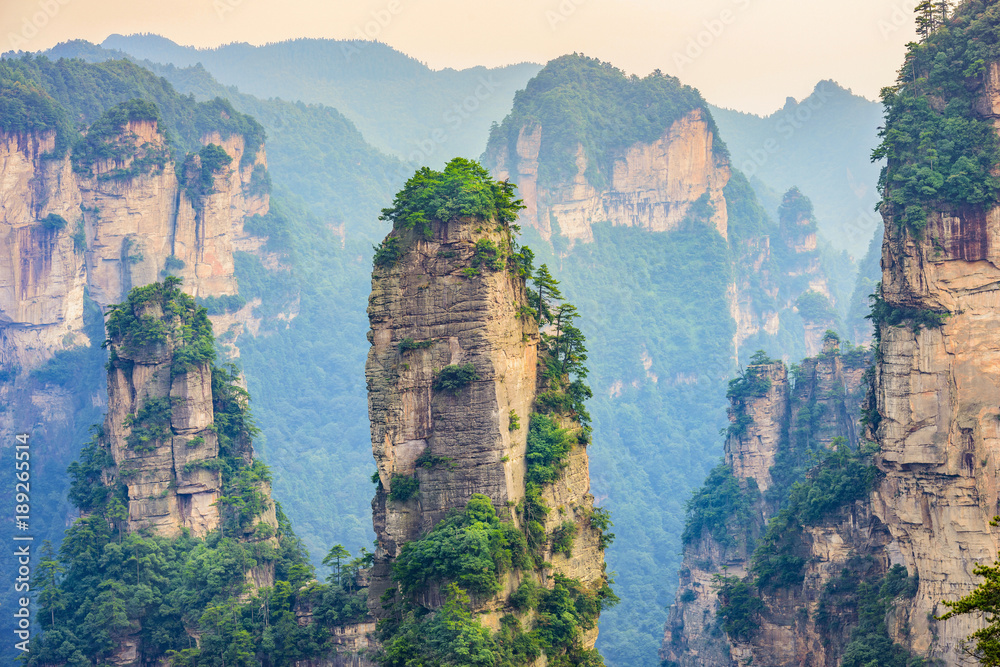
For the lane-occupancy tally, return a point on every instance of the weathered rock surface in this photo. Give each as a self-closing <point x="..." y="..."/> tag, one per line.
<point x="653" y="186"/>
<point x="831" y="389"/>
<point x="426" y="313"/>
<point x="125" y="230"/>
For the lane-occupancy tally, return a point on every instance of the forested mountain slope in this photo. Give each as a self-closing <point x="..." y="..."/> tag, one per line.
<point x="680" y="273"/>
<point x="399" y="104"/>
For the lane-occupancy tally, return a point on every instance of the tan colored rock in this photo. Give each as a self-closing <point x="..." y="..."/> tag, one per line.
<point x="460" y="319"/>
<point x="790" y="633"/>
<point x="652" y="185"/>
<point x="751" y="454"/>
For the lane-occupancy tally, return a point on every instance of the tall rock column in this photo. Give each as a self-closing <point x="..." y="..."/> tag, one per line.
<point x="938" y="392"/>
<point x="428" y="313"/>
<point x="461" y="388"/>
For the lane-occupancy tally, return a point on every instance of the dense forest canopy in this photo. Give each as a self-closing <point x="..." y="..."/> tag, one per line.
<point x="942" y="153"/>
<point x="66" y="95"/>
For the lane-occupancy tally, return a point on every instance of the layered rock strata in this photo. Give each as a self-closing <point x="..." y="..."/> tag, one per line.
<point x="652" y="186"/>
<point x="824" y="403"/>
<point x="429" y="310"/>
<point x="115" y="233"/>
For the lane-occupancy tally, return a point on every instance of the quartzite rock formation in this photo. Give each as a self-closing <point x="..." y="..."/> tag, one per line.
<point x="427" y="312"/>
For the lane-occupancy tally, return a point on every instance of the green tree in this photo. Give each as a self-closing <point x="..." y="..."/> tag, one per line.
<point x="332" y="559"/>
<point x="984" y="601"/>
<point x="545" y="294"/>
<point x="926" y="18"/>
<point x="49" y="572"/>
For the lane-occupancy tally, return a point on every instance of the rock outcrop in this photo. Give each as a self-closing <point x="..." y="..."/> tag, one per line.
<point x="653" y="186"/>
<point x="111" y="232"/>
<point x="76" y="238"/>
<point x="824" y="403"/>
<point x="431" y="309"/>
<point x="160" y="427"/>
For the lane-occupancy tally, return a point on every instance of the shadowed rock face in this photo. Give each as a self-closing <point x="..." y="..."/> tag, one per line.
<point x="459" y="443"/>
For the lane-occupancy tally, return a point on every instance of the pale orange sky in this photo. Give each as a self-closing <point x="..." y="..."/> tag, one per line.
<point x="752" y="53"/>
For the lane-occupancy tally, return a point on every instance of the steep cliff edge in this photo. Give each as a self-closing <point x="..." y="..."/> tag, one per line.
<point x="777" y="535"/>
<point x="912" y="537"/>
<point x="938" y="384"/>
<point x="475" y="421"/>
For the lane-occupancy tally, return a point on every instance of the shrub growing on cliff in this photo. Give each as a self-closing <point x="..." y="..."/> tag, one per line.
<point x="739" y="607"/>
<point x="54" y="222"/>
<point x="403" y="487"/>
<point x="453" y="378"/>
<point x="721" y="506"/>
<point x="463" y="189"/>
<point x="471" y="548"/>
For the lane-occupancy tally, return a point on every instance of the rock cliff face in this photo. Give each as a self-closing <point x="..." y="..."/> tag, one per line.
<point x="938" y="389"/>
<point x="115" y="233"/>
<point x="160" y="426"/>
<point x="430" y="310"/>
<point x="75" y="240"/>
<point x="824" y="403"/>
<point x="653" y="186"/>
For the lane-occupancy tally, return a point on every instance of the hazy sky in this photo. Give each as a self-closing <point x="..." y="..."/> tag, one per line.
<point x="745" y="54"/>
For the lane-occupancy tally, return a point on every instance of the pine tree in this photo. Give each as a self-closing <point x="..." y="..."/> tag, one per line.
<point x="926" y="12"/>
<point x="546" y="292"/>
<point x="943" y="11"/>
<point x="334" y="556"/>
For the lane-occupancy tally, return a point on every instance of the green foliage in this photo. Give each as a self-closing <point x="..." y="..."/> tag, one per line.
<point x="273" y="225"/>
<point x="580" y="100"/>
<point x="722" y="506"/>
<point x="815" y="307"/>
<point x="388" y="252"/>
<point x="749" y="384"/>
<point x="107" y="140"/>
<point x="41" y="94"/>
<point x="739" y="607"/>
<point x="548" y="449"/>
<point x="941" y="153"/>
<point x="840" y="476"/>
<point x="895" y="316"/>
<point x="526" y="596"/>
<point x="408" y="344"/>
<point x="217" y="305"/>
<point x="131" y="325"/>
<point x="463" y="189"/>
<point x="150" y="426"/>
<point x="452" y="635"/>
<point x="198" y="172"/>
<point x="795" y="208"/>
<point x="54" y="222"/>
<point x="79" y="237"/>
<point x="870" y="642"/>
<point x="563" y="537"/>
<point x="600" y="520"/>
<point x="454" y="377"/>
<point x="488" y="254"/>
<point x="513" y="421"/>
<point x="472" y="548"/>
<point x="403" y="487"/>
